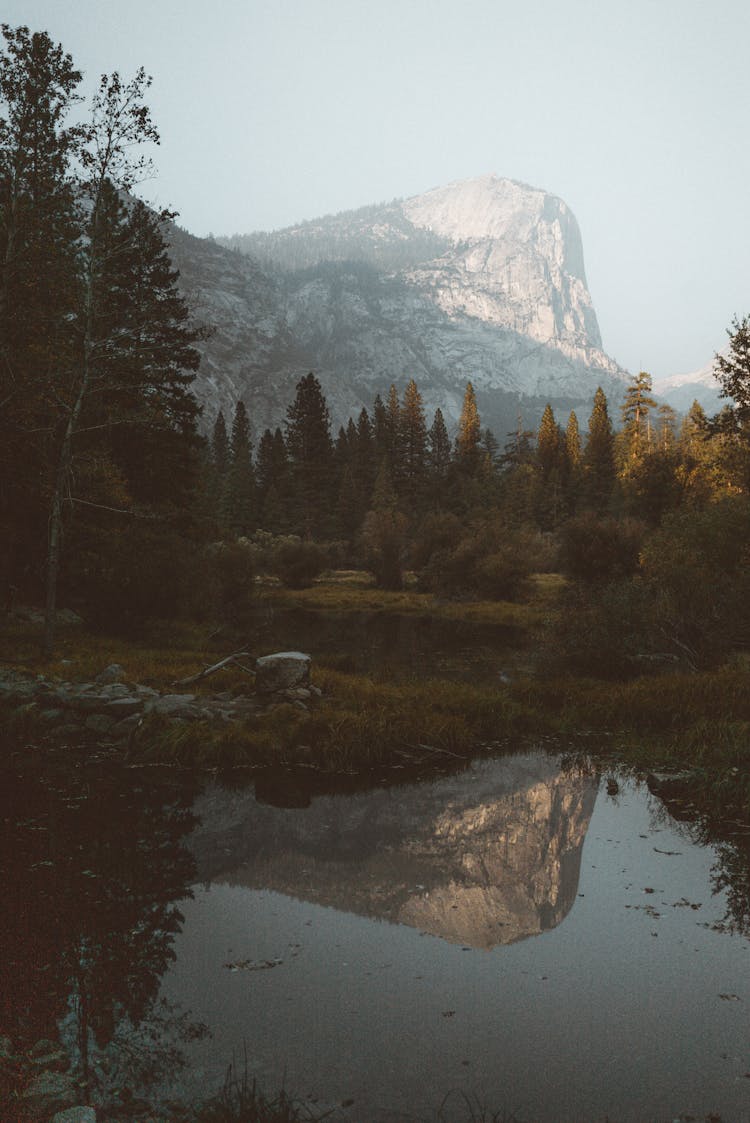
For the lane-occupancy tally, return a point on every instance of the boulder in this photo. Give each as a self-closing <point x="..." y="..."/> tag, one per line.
<point x="113" y="673"/>
<point x="75" y="1115"/>
<point x="173" y="705"/>
<point x="281" y="671"/>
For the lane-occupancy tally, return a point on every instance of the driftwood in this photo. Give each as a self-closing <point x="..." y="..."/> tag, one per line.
<point x="217" y="667"/>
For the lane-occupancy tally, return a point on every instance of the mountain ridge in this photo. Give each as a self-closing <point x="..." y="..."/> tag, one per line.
<point x="481" y="280"/>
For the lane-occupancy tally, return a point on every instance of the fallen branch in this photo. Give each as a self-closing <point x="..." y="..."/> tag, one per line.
<point x="217" y="667"/>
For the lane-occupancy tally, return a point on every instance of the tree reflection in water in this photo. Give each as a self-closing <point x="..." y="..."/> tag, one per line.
<point x="92" y="870"/>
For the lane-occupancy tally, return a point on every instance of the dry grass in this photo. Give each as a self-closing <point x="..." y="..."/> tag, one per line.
<point x="352" y="591"/>
<point x="364" y="722"/>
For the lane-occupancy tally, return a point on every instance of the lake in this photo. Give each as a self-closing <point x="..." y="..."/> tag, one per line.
<point x="520" y="934"/>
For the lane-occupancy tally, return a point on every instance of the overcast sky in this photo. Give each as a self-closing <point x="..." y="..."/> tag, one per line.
<point x="635" y="112"/>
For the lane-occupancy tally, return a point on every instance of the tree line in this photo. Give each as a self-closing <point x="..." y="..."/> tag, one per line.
<point x="96" y="349"/>
<point x="112" y="500"/>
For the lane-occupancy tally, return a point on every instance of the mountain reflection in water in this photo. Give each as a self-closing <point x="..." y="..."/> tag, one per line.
<point x="485" y="857"/>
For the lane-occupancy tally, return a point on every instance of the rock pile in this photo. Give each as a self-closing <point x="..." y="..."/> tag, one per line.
<point x="112" y="708"/>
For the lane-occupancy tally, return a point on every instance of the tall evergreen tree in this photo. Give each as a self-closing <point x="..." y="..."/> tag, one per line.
<point x="733" y="369"/>
<point x="599" y="454"/>
<point x="667" y="427"/>
<point x="38" y="281"/>
<point x="573" y="442"/>
<point x="310" y="451"/>
<point x="240" y="500"/>
<point x="413" y="446"/>
<point x="636" y="409"/>
<point x="220" y="446"/>
<point x="469" y="433"/>
<point x="439" y="458"/>
<point x="272" y="483"/>
<point x="115" y="350"/>
<point x="548" y="443"/>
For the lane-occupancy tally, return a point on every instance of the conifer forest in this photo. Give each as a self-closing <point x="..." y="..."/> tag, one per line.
<point x="344" y="701"/>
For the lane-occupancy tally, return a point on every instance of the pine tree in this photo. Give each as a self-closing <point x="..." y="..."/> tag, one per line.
<point x="552" y="467"/>
<point x="240" y="501"/>
<point x="667" y="427"/>
<point x="115" y="352"/>
<point x="733" y="369"/>
<point x="573" y="443"/>
<point x="394" y="439"/>
<point x="636" y="432"/>
<point x="469" y="433"/>
<point x="38" y="281"/>
<point x="365" y="465"/>
<point x="439" y="458"/>
<point x="548" y="443"/>
<point x="218" y="466"/>
<point x="413" y="447"/>
<point x="272" y="483"/>
<point x="599" y="454"/>
<point x="310" y="451"/>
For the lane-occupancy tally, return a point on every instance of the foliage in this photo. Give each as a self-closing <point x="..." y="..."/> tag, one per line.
<point x="486" y="559"/>
<point x="226" y="586"/>
<point x="599" y="454"/>
<point x="298" y="563"/>
<point x="697" y="568"/>
<point x="595" y="549"/>
<point x="603" y="632"/>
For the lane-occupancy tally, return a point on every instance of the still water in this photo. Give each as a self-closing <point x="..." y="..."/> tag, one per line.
<point x="510" y="932"/>
<point x="518" y="932"/>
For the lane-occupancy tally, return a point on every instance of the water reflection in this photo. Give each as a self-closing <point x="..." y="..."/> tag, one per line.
<point x="97" y="873"/>
<point x="92" y="871"/>
<point x="390" y="643"/>
<point x="482" y="858"/>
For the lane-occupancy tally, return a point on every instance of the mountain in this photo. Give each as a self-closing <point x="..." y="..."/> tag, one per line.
<point x="681" y="390"/>
<point x="482" y="280"/>
<point x="486" y="857"/>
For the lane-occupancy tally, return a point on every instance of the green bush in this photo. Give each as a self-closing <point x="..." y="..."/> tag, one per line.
<point x="297" y="563"/>
<point x="227" y="588"/>
<point x="489" y="560"/>
<point x="697" y="568"/>
<point x="142" y="570"/>
<point x="383" y="544"/>
<point x="606" y="632"/>
<point x="595" y="549"/>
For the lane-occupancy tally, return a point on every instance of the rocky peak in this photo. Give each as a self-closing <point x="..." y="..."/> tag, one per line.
<point x="482" y="279"/>
<point x="516" y="262"/>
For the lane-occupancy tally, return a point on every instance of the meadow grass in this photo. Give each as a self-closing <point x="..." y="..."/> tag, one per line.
<point x="357" y="594"/>
<point x="363" y="722"/>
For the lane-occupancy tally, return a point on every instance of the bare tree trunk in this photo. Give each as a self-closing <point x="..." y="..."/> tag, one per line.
<point x="62" y="474"/>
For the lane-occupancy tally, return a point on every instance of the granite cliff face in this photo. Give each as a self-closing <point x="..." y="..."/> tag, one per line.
<point x="480" y="280"/>
<point x="484" y="858"/>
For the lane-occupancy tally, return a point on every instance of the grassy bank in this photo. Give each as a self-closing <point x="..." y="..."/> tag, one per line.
<point x="363" y="722"/>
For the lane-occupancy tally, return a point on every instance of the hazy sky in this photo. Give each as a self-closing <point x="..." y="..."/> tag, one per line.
<point x="633" y="111"/>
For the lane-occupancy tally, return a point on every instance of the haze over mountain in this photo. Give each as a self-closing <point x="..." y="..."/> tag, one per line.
<point x="681" y="390"/>
<point x="482" y="280"/>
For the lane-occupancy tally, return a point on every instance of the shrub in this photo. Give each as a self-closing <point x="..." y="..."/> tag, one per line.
<point x="141" y="571"/>
<point x="595" y="549"/>
<point x="697" y="566"/>
<point x="227" y="585"/>
<point x="383" y="535"/>
<point x="604" y="632"/>
<point x="297" y="563"/>
<point x="489" y="560"/>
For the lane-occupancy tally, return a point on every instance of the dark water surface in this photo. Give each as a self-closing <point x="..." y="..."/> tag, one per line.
<point x="512" y="932"/>
<point x="397" y="645"/>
